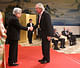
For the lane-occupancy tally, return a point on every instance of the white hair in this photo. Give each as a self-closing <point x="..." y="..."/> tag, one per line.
<point x="40" y="5"/>
<point x="17" y="10"/>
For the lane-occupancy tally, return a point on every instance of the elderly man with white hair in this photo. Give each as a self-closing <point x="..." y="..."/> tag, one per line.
<point x="44" y="21"/>
<point x="13" y="35"/>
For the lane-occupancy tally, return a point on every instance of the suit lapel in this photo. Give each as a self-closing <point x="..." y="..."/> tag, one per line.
<point x="38" y="19"/>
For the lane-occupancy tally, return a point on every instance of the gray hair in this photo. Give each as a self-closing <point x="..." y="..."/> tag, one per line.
<point x="40" y="5"/>
<point x="17" y="10"/>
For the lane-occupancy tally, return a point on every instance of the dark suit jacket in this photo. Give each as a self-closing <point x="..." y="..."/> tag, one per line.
<point x="64" y="33"/>
<point x="56" y="34"/>
<point x="14" y="28"/>
<point x="45" y="25"/>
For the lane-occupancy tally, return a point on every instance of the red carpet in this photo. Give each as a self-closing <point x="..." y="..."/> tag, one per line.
<point x="28" y="58"/>
<point x="76" y="57"/>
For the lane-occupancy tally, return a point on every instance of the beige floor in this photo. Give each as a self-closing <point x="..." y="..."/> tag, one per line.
<point x="71" y="49"/>
<point x="68" y="50"/>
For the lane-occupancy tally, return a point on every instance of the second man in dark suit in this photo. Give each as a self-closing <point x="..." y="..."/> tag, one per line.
<point x="44" y="21"/>
<point x="30" y="33"/>
<point x="62" y="40"/>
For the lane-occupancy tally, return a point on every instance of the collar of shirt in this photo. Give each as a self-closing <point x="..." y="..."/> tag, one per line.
<point x="30" y="24"/>
<point x="40" y="16"/>
<point x="41" y="13"/>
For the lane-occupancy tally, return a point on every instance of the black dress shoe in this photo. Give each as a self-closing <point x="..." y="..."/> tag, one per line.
<point x="44" y="62"/>
<point x="40" y="60"/>
<point x="13" y="64"/>
<point x="62" y="47"/>
<point x="56" y="48"/>
<point x="30" y="42"/>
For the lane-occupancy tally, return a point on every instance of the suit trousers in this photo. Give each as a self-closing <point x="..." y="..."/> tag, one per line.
<point x="13" y="50"/>
<point x="55" y="43"/>
<point x="62" y="40"/>
<point x="30" y="33"/>
<point x="46" y="49"/>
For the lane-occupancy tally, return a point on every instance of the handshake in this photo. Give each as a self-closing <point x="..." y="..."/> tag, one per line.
<point x="31" y="28"/>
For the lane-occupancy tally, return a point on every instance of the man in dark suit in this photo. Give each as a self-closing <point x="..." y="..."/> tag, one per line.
<point x="62" y="40"/>
<point x="70" y="36"/>
<point x="55" y="40"/>
<point x="72" y="39"/>
<point x="65" y="33"/>
<point x="30" y="33"/>
<point x="13" y="35"/>
<point x="44" y="21"/>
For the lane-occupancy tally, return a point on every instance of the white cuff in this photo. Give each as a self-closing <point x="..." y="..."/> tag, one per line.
<point x="28" y="28"/>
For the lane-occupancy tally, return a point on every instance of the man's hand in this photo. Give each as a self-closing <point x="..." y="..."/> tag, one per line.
<point x="49" y="38"/>
<point x="31" y="29"/>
